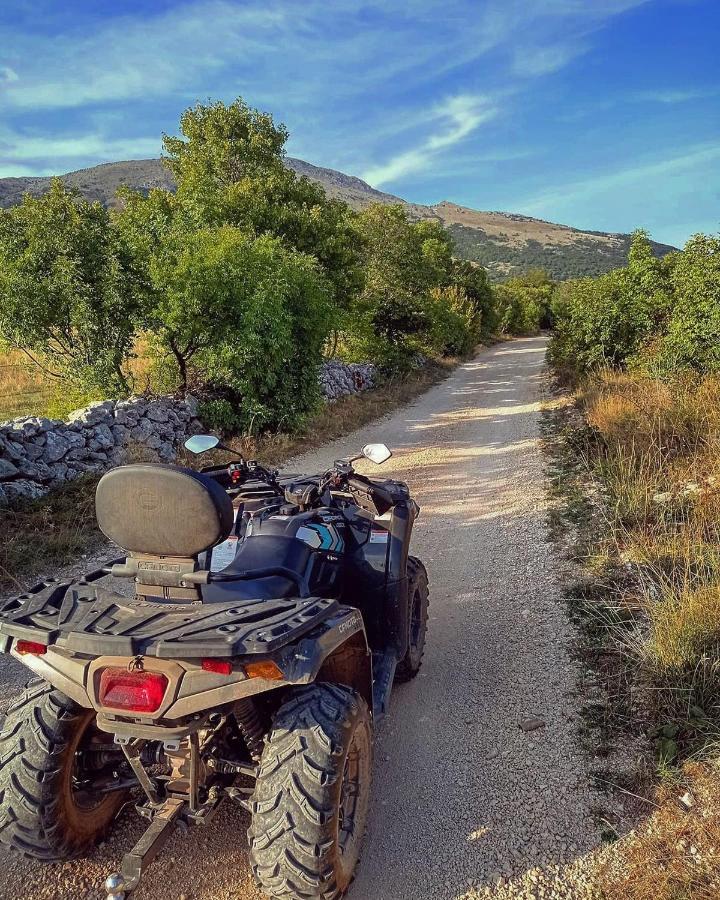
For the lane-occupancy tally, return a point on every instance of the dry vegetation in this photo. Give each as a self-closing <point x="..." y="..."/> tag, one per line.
<point x="643" y="490"/>
<point x="675" y="854"/>
<point x="24" y="389"/>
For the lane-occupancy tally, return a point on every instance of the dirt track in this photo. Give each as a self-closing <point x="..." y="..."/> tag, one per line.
<point x="462" y="794"/>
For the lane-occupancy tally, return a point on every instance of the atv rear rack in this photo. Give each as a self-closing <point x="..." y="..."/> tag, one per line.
<point x="84" y="617"/>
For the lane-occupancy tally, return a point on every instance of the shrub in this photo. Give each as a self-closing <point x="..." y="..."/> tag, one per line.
<point x="247" y="318"/>
<point x="691" y="338"/>
<point x="454" y="322"/>
<point x="523" y="303"/>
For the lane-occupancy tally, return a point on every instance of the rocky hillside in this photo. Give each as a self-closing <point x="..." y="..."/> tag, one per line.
<point x="506" y="243"/>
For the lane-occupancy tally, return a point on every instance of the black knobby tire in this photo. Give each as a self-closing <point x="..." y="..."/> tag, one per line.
<point x="312" y="794"/>
<point x="41" y="815"/>
<point x="418" y="602"/>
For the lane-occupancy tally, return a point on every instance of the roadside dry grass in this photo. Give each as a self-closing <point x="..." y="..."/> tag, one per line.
<point x="24" y="389"/>
<point x="54" y="531"/>
<point x="675" y="853"/>
<point x="635" y="467"/>
<point x="50" y="532"/>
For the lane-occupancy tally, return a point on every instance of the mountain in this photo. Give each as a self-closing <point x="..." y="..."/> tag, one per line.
<point x="505" y="243"/>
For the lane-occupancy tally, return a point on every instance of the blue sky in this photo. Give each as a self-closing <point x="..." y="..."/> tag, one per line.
<point x="603" y="114"/>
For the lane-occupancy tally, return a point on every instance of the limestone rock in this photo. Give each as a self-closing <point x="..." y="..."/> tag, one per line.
<point x="24" y="490"/>
<point x="93" y="414"/>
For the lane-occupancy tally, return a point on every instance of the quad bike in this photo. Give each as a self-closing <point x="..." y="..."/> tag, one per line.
<point x="263" y="622"/>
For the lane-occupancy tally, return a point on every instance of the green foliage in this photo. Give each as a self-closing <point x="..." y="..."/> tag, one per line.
<point x="247" y="317"/>
<point x="387" y="322"/>
<point x="691" y="338"/>
<point x="69" y="290"/>
<point x="522" y="304"/>
<point x="660" y="316"/>
<point x="455" y="323"/>
<point x="229" y="168"/>
<point x="416" y="297"/>
<point x="233" y="283"/>
<point x="474" y="281"/>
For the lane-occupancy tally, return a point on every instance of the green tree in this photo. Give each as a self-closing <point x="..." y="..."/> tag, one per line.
<point x="455" y="322"/>
<point x="388" y="321"/>
<point x="611" y="320"/>
<point x="229" y="166"/>
<point x="247" y="317"/>
<point x="474" y="281"/>
<point x="692" y="335"/>
<point x="70" y="290"/>
<point x="523" y="302"/>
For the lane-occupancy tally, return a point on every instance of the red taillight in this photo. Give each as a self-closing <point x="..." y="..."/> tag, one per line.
<point x="220" y="666"/>
<point x="33" y="647"/>
<point x="133" y="691"/>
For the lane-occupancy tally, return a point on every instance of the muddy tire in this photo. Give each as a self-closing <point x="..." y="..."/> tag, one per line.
<point x="418" y="600"/>
<point x="41" y="814"/>
<point x="312" y="795"/>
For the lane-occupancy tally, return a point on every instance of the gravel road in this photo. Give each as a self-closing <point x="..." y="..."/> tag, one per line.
<point x="466" y="801"/>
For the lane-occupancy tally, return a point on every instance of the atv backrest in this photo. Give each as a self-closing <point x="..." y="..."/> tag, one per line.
<point x="162" y="510"/>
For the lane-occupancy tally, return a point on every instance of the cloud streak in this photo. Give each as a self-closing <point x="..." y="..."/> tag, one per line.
<point x="460" y="116"/>
<point x="696" y="157"/>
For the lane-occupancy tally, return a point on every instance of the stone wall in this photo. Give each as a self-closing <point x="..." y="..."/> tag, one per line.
<point x="37" y="454"/>
<point x="338" y="379"/>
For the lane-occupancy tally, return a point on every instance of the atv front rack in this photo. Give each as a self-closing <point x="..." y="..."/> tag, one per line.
<point x="84" y="617"/>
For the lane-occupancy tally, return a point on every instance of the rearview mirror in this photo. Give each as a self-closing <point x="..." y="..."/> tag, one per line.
<point x="199" y="443"/>
<point x="376" y="453"/>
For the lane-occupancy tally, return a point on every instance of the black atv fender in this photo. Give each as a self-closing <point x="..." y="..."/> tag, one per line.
<point x="335" y="651"/>
<point x="401" y="525"/>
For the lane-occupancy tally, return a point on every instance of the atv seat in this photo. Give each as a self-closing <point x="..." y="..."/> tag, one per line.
<point x="164" y="517"/>
<point x="258" y="552"/>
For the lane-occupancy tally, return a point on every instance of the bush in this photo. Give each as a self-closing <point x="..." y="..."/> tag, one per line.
<point x="416" y="298"/>
<point x="691" y="337"/>
<point x="246" y="318"/>
<point x="454" y="323"/>
<point x="656" y="316"/>
<point x="523" y="303"/>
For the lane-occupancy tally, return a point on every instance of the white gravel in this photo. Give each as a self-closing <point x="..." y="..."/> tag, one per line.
<point x="467" y="802"/>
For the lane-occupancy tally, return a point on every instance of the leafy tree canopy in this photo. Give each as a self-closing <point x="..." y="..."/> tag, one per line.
<point x="69" y="289"/>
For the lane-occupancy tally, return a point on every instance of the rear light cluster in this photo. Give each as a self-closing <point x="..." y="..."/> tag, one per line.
<point x="219" y="666"/>
<point x="144" y="692"/>
<point x="141" y="692"/>
<point x="265" y="668"/>
<point x="30" y="647"/>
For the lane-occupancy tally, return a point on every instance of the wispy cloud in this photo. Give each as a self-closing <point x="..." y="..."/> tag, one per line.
<point x="17" y="147"/>
<point x="532" y="62"/>
<point x="672" y="96"/>
<point x="8" y="75"/>
<point x="130" y="57"/>
<point x="460" y="117"/>
<point x="574" y="193"/>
